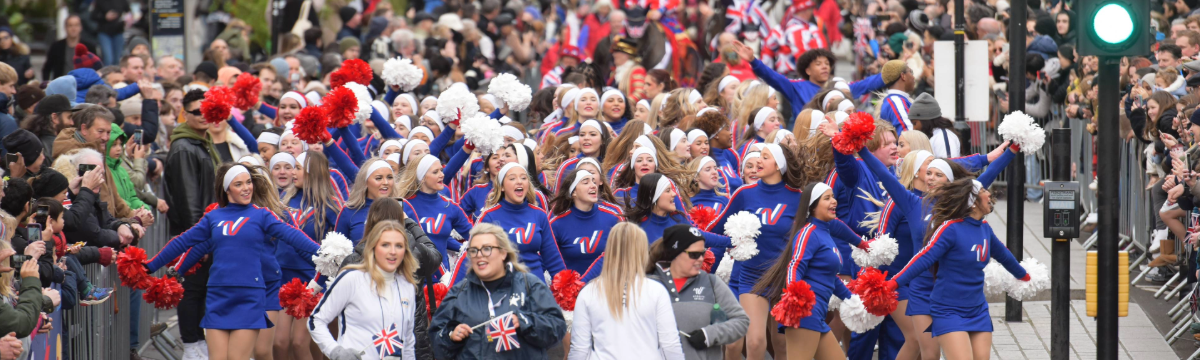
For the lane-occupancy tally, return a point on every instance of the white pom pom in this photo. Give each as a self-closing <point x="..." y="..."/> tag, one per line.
<point x="1039" y="279"/>
<point x="483" y="132"/>
<point x="335" y="248"/>
<point x="1023" y="130"/>
<point x="996" y="279"/>
<point x="402" y="73"/>
<point x="569" y="316"/>
<point x="511" y="91"/>
<point x="725" y="268"/>
<point x="456" y="100"/>
<point x="364" y="101"/>
<point x="882" y="251"/>
<point x="742" y="229"/>
<point x="446" y="277"/>
<point x="313" y="285"/>
<point x="855" y="316"/>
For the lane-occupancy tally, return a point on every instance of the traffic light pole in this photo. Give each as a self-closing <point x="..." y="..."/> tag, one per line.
<point x="1060" y="267"/>
<point x="1108" y="172"/>
<point x="1015" y="235"/>
<point x="960" y="82"/>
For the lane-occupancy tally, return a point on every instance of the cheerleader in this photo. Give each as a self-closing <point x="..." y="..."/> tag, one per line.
<point x="511" y="206"/>
<point x="619" y="149"/>
<point x="585" y="106"/>
<point x="378" y="296"/>
<point x="645" y="161"/>
<point x="592" y="141"/>
<point x="290" y="105"/>
<point x="236" y="297"/>
<point x="477" y="197"/>
<point x="391" y="147"/>
<point x="582" y="221"/>
<point x="720" y="141"/>
<point x="440" y="215"/>
<point x="282" y="167"/>
<point x="376" y="182"/>
<point x="811" y="257"/>
<point x="766" y="120"/>
<point x="473" y="199"/>
<point x="750" y="165"/>
<point x="641" y="111"/>
<point x="403" y="105"/>
<point x="707" y="188"/>
<point x="807" y="123"/>
<point x="961" y="322"/>
<point x="697" y="140"/>
<point x="562" y="114"/>
<point x="677" y="144"/>
<point x="614" y="105"/>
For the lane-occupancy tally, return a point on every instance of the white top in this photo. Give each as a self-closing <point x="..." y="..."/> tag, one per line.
<point x="647" y="331"/>
<point x="939" y="143"/>
<point x="353" y="295"/>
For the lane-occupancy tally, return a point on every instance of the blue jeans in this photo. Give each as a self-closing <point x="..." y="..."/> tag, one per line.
<point x="135" y="316"/>
<point x="111" y="47"/>
<point x="1033" y="175"/>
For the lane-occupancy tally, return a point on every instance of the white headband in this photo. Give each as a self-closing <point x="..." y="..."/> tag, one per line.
<point x="588" y="160"/>
<point x="920" y="158"/>
<point x="644" y="141"/>
<point x="753" y="83"/>
<point x="572" y="140"/>
<point x="267" y="137"/>
<point x="282" y="157"/>
<point x="295" y="96"/>
<point x="569" y="97"/>
<point x="725" y="82"/>
<point x="421" y="130"/>
<point x="593" y="123"/>
<point x="579" y="176"/>
<point x="817" y="191"/>
<point x="233" y="173"/>
<point x="437" y="119"/>
<point x="643" y="150"/>
<point x="522" y="155"/>
<point x="829" y="97"/>
<point x="512" y="132"/>
<point x="313" y="98"/>
<point x="580" y="95"/>
<point x="250" y="159"/>
<point x="695" y="134"/>
<point x="390" y="143"/>
<point x="663" y="104"/>
<point x="504" y="120"/>
<point x="944" y="167"/>
<point x="504" y="171"/>
<point x="695" y="96"/>
<point x="751" y="155"/>
<point x="381" y="108"/>
<point x="976" y="186"/>
<point x="846" y="104"/>
<point x="379" y="164"/>
<point x="647" y="130"/>
<point x="780" y="135"/>
<point x="840" y="117"/>
<point x="704" y="110"/>
<point x="530" y="143"/>
<point x="777" y="153"/>
<point x="761" y="117"/>
<point x="408" y="148"/>
<point x="424" y="165"/>
<point x="303" y="160"/>
<point x="841" y="85"/>
<point x="610" y="93"/>
<point x="704" y="160"/>
<point x="492" y="99"/>
<point x="677" y="135"/>
<point x="663" y="183"/>
<point x="645" y="103"/>
<point x="394" y="157"/>
<point x="412" y="102"/>
<point x="405" y="120"/>
<point x="817" y="118"/>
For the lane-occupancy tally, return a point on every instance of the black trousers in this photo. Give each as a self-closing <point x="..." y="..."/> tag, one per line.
<point x="191" y="308"/>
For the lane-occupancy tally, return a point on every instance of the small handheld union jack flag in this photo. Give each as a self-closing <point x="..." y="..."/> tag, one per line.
<point x="388" y="342"/>
<point x="503" y="331"/>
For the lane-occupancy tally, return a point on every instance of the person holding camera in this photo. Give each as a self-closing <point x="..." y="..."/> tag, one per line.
<point x="17" y="201"/>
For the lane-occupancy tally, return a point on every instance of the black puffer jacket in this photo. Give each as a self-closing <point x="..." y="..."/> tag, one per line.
<point x="88" y="220"/>
<point x="47" y="271"/>
<point x="189" y="176"/>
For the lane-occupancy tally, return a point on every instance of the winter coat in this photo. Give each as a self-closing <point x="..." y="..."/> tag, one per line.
<point x="86" y="219"/>
<point x="426" y="253"/>
<point x="189" y="177"/>
<point x="86" y="77"/>
<point x="21" y="316"/>
<point x="541" y="321"/>
<point x="1043" y="45"/>
<point x="68" y="139"/>
<point x="694" y="307"/>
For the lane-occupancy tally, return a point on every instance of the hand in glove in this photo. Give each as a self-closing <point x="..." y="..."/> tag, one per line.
<point x="342" y="353"/>
<point x="697" y="339"/>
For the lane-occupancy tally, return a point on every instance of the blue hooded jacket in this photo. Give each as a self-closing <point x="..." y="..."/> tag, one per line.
<point x="63" y="85"/>
<point x="85" y="78"/>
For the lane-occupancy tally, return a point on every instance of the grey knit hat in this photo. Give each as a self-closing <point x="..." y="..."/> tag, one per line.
<point x="925" y="107"/>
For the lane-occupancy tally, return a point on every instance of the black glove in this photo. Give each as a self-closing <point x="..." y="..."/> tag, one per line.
<point x="697" y="339"/>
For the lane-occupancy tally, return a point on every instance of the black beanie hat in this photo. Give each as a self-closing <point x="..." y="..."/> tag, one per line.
<point x="677" y="238"/>
<point x="24" y="142"/>
<point x="346" y="13"/>
<point x="1195" y="118"/>
<point x="49" y="184"/>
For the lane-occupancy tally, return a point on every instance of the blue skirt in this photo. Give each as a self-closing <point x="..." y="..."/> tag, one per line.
<point x="273" y="296"/>
<point x="743" y="278"/>
<point x="945" y="322"/>
<point x="919" y="291"/>
<point x="816" y="321"/>
<point x="305" y="275"/>
<point x="235" y="308"/>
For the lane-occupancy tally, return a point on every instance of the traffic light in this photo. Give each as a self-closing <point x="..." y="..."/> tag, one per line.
<point x="1114" y="27"/>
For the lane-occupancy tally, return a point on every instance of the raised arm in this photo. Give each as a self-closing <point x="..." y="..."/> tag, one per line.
<point x="904" y="199"/>
<point x="340" y="159"/>
<point x="356" y="153"/>
<point x="993" y="171"/>
<point x="387" y="130"/>
<point x="244" y="133"/>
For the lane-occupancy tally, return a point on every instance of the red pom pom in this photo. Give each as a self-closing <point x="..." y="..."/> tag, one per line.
<point x="352" y="70"/>
<point x="709" y="260"/>
<point x="246" y="91"/>
<point x="703" y="216"/>
<point x="164" y="292"/>
<point x="130" y="268"/>
<point x="297" y="299"/>
<point x="795" y="304"/>
<point x="80" y="49"/>
<point x="566" y="287"/>
<point x="872" y="286"/>
<point x="855" y="133"/>
<point x="216" y="105"/>
<point x="340" y="105"/>
<point x="310" y="125"/>
<point x="439" y="292"/>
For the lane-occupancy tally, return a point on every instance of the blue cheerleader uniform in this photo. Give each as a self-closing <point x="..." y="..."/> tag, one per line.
<point x="851" y="181"/>
<point x="272" y="273"/>
<point x="528" y="226"/>
<point x="474" y="200"/>
<point x="962" y="248"/>
<point x="441" y="216"/>
<point x="291" y="264"/>
<point x="815" y="259"/>
<point x="236" y="297"/>
<point x="351" y="221"/>
<point x="731" y="166"/>
<point x="775" y="207"/>
<point x="711" y="199"/>
<point x="582" y="235"/>
<point x="632" y="193"/>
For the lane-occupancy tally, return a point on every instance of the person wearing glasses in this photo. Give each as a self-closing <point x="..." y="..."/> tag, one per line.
<point x="497" y="287"/>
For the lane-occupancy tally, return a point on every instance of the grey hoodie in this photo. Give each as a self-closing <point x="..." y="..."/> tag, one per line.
<point x="693" y="310"/>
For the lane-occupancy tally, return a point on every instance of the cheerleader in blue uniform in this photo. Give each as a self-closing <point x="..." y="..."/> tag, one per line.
<point x="618" y="152"/>
<point x="283" y="171"/>
<point x="378" y="181"/>
<point x="656" y="210"/>
<point x="961" y="244"/>
<point x="812" y="257"/>
<point x="765" y="120"/>
<point x="511" y="205"/>
<point x="440" y="215"/>
<point x="475" y="199"/>
<point x="615" y="108"/>
<point x="646" y="160"/>
<point x="593" y="142"/>
<point x="720" y="141"/>
<point x="582" y="219"/>
<point x="236" y="299"/>
<point x="707" y="189"/>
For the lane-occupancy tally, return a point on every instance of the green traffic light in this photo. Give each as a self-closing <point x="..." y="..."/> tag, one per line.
<point x="1113" y="24"/>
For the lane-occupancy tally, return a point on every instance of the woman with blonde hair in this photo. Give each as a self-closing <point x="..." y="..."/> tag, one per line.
<point x="684" y="102"/>
<point x="421" y="186"/>
<point x="622" y="314"/>
<point x="360" y="294"/>
<point x="756" y="97"/>
<point x="375" y="182"/>
<point x="498" y="289"/>
<point x="656" y="109"/>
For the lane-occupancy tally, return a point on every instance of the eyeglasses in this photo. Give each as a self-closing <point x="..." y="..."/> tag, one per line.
<point x="484" y="251"/>
<point x="695" y="255"/>
<point x="193" y="112"/>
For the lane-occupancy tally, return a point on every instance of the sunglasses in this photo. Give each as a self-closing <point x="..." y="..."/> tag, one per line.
<point x="193" y="112"/>
<point x="695" y="255"/>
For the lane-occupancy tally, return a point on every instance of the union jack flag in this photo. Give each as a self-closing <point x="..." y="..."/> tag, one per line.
<point x="503" y="331"/>
<point x="388" y="342"/>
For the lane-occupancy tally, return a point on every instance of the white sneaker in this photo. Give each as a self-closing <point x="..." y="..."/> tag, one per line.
<point x="1158" y="236"/>
<point x="191" y="351"/>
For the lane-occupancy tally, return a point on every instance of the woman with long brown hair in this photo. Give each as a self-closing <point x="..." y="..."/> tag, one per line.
<point x="581" y="219"/>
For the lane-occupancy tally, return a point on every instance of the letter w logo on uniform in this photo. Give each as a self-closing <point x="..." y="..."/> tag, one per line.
<point x="433" y="225"/>
<point x="523" y="235"/>
<point x="981" y="251"/>
<point x="771" y="216"/>
<point x="230" y="228"/>
<point x="587" y="245"/>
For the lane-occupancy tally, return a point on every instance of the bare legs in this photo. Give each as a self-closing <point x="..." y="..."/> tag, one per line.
<point x="929" y="347"/>
<point x="806" y="344"/>
<point x="912" y="348"/>
<point x="230" y="344"/>
<point x="962" y="345"/>
<point x="263" y="347"/>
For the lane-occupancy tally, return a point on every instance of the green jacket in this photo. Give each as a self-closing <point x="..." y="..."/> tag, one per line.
<point x="23" y="318"/>
<point x="124" y="184"/>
